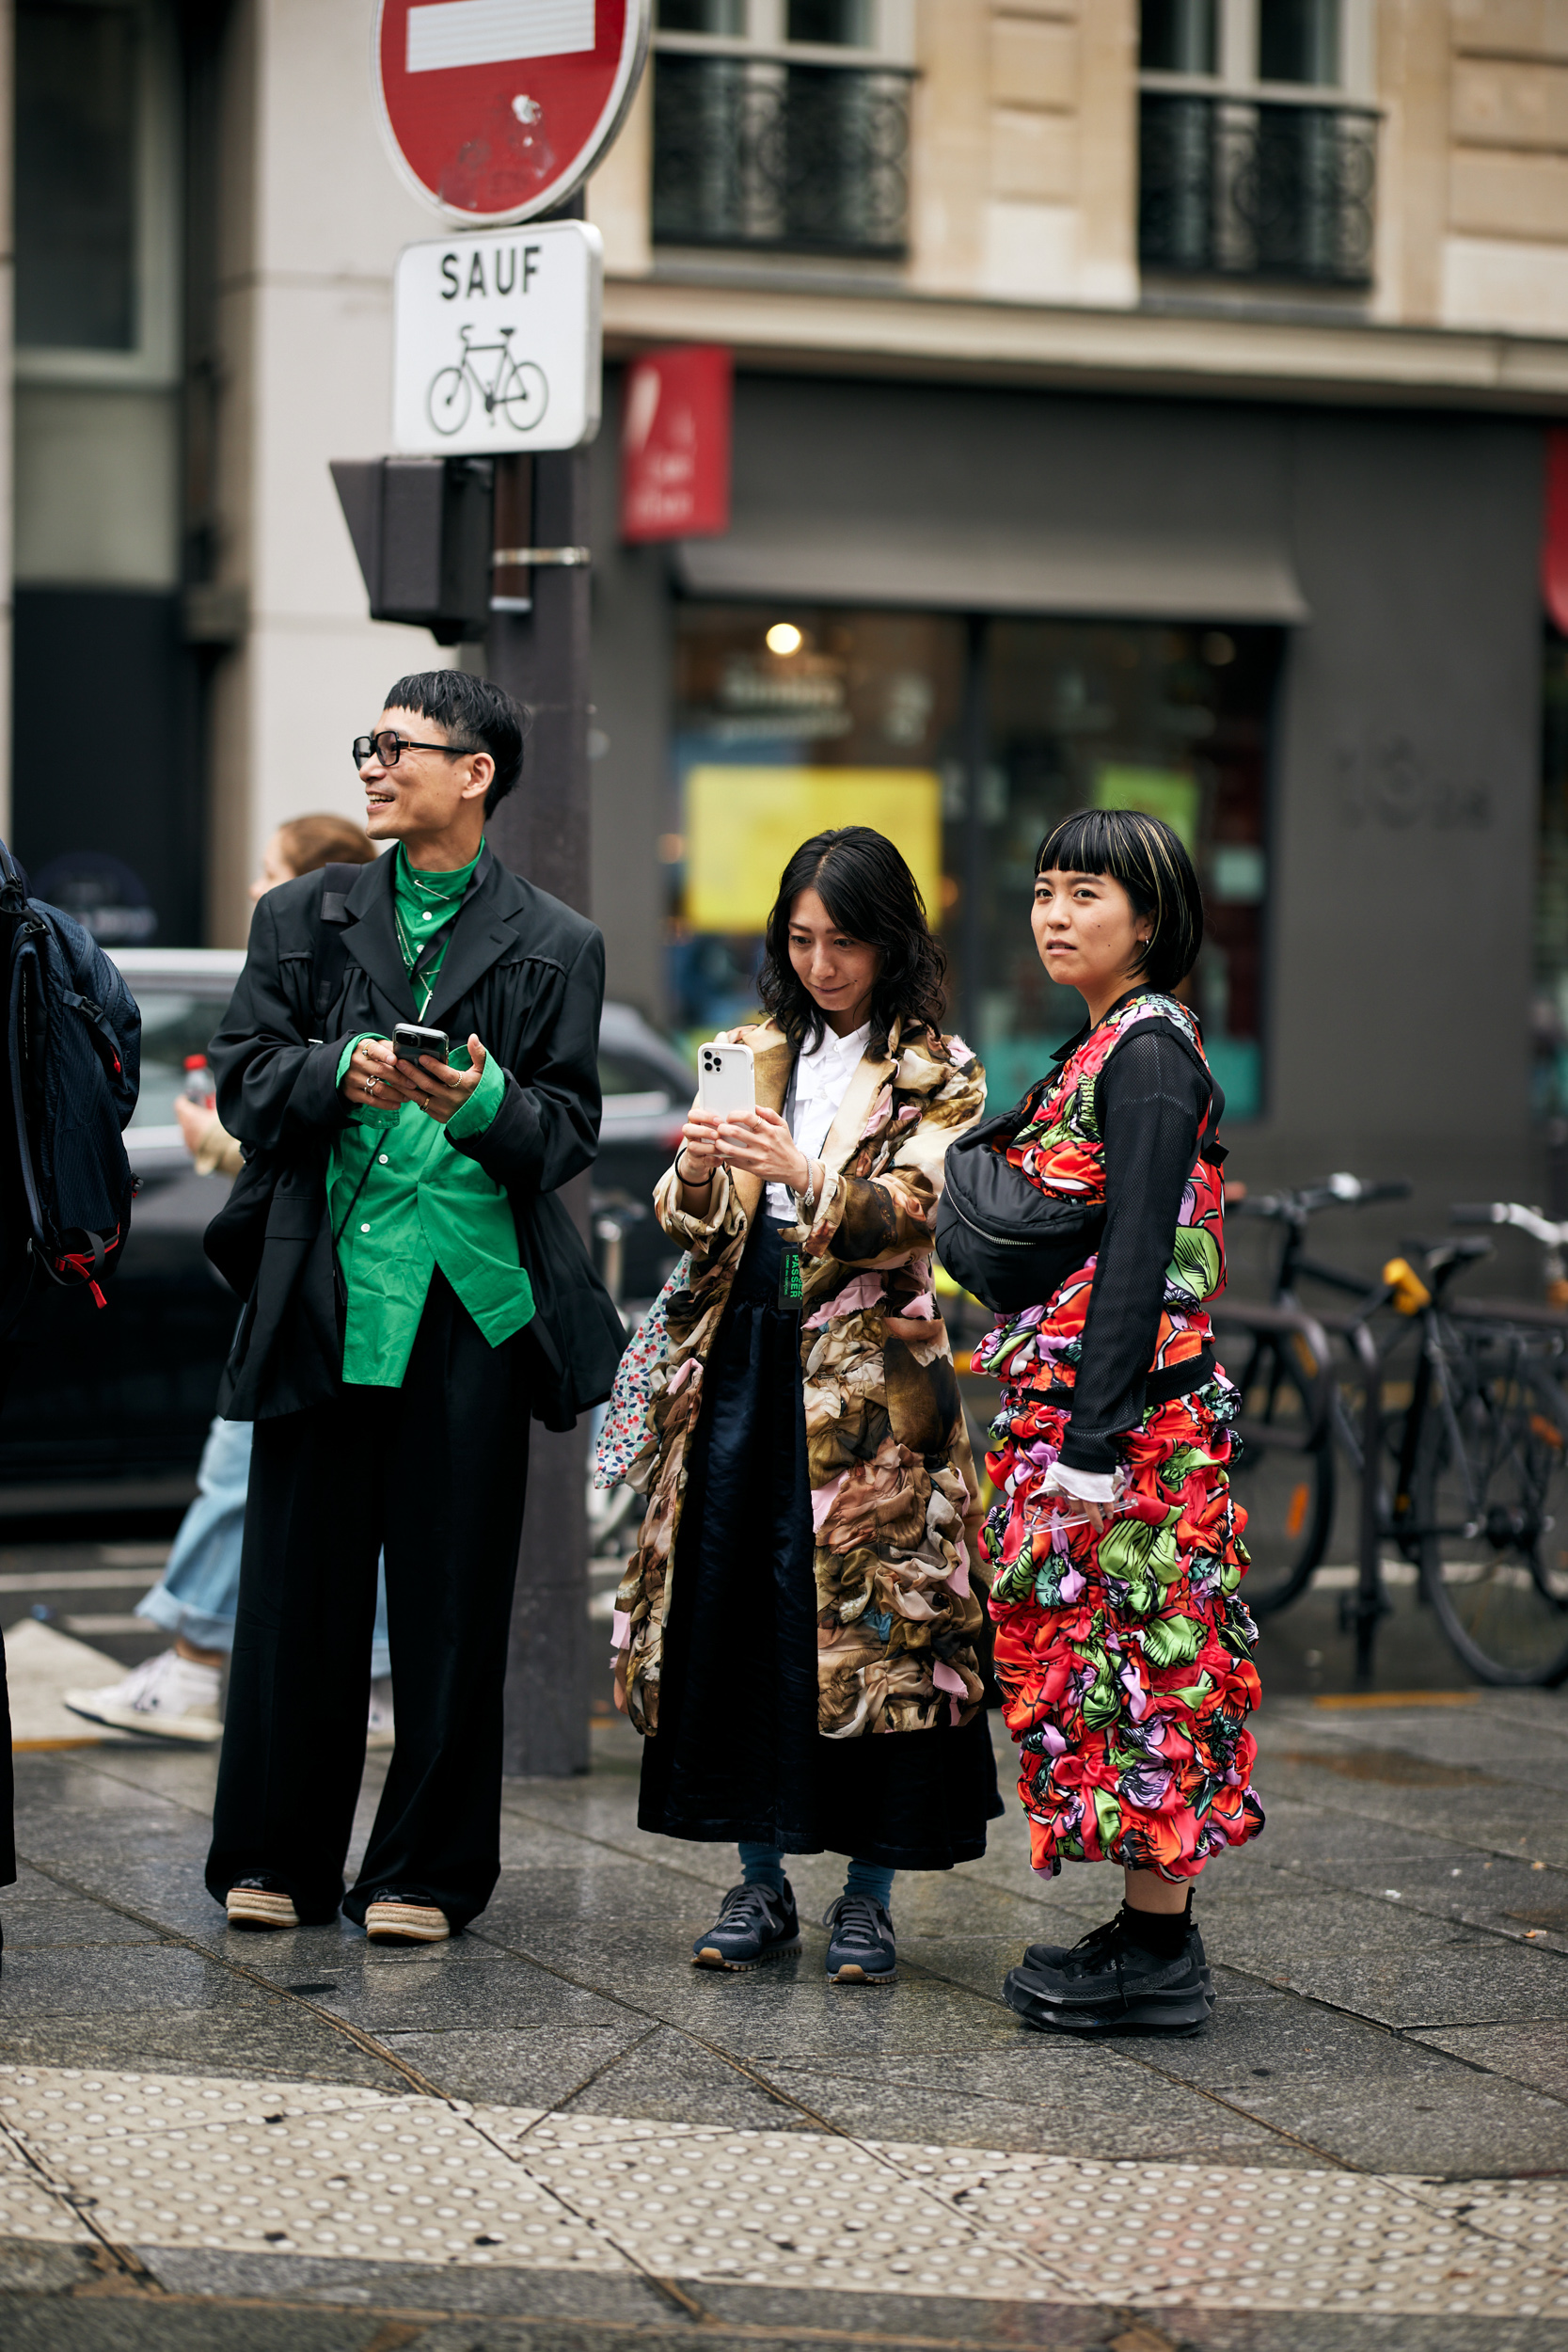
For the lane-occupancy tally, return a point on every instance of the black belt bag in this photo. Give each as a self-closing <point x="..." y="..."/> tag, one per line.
<point x="1000" y="1236"/>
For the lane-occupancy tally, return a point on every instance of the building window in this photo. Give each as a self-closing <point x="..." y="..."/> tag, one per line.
<point x="782" y="125"/>
<point x="965" y="742"/>
<point x="1256" y="148"/>
<point x="97" y="139"/>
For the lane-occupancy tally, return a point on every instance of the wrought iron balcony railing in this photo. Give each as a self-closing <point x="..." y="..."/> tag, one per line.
<point x="757" y="151"/>
<point x="1251" y="188"/>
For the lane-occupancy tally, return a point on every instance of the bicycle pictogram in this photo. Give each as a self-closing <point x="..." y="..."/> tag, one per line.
<point x="518" y="389"/>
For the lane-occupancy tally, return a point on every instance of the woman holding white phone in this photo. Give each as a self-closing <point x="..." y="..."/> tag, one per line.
<point x="795" y="1634"/>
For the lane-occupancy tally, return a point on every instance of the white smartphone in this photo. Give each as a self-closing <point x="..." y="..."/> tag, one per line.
<point x="726" y="1079"/>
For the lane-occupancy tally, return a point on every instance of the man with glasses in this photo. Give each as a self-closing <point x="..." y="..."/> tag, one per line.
<point x="388" y="1354"/>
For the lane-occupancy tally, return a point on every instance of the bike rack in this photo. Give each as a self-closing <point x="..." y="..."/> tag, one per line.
<point x="1362" y="1609"/>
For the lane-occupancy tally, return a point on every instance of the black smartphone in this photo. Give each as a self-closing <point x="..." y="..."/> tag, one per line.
<point x="409" y="1041"/>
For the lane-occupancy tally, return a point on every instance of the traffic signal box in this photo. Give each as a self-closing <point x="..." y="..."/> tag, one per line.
<point x="423" y="531"/>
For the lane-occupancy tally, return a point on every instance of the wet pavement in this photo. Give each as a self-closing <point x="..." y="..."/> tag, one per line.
<point x="555" y="2133"/>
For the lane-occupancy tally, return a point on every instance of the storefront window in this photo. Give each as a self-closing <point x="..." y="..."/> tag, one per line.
<point x="1116" y="715"/>
<point x="965" y="741"/>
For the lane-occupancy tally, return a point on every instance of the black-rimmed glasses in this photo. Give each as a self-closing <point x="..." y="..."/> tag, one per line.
<point x="389" y="748"/>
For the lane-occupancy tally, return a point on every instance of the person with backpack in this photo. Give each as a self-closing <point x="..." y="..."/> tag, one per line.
<point x="177" y="1694"/>
<point x="1123" y="1649"/>
<point x="73" y="1068"/>
<point x="415" y="1293"/>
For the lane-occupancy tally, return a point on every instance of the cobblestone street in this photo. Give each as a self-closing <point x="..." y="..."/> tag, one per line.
<point x="554" y="2133"/>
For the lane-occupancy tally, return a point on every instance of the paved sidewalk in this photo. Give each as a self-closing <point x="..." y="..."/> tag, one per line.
<point x="555" y="2134"/>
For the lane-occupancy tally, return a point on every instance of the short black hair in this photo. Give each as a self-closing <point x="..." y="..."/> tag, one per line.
<point x="477" y="715"/>
<point x="1148" y="859"/>
<point x="871" y="894"/>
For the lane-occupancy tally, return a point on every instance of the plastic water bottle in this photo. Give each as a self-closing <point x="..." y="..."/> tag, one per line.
<point x="197" y="1087"/>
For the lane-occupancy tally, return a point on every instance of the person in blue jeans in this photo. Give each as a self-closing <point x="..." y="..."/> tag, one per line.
<point x="176" y="1694"/>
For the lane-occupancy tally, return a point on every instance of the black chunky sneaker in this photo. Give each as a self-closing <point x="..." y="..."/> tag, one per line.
<point x="861" y="1949"/>
<point x="1110" y="1982"/>
<point x="754" y="1925"/>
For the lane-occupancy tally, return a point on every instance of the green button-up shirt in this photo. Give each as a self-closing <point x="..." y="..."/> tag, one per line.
<point x="422" y="1204"/>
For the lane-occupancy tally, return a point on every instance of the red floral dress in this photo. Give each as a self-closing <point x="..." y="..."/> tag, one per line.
<point x="1125" y="1659"/>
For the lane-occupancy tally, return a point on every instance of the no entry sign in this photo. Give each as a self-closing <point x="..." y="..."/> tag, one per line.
<point x="496" y="109"/>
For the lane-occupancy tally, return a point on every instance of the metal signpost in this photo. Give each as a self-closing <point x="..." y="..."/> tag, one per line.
<point x="494" y="112"/>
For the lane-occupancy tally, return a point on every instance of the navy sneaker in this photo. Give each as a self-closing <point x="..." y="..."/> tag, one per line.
<point x="1108" y="1983"/>
<point x="861" y="1949"/>
<point x="754" y="1925"/>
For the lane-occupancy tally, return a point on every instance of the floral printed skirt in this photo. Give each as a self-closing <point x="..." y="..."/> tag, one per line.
<point x="1125" y="1659"/>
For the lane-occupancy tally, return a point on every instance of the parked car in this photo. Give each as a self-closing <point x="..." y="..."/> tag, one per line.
<point x="107" y="1408"/>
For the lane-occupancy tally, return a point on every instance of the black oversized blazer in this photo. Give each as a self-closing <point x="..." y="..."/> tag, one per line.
<point x="523" y="973"/>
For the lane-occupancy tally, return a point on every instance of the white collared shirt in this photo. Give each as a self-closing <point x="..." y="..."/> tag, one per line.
<point x="822" y="1076"/>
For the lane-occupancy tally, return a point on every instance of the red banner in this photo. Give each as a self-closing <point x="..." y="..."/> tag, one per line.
<point x="676" y="444"/>
<point x="1553" y="536"/>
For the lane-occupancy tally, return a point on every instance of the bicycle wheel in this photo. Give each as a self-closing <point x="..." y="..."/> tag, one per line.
<point x="524" y="396"/>
<point x="1285" y="1485"/>
<point x="1491" y="1519"/>
<point x="448" y="400"/>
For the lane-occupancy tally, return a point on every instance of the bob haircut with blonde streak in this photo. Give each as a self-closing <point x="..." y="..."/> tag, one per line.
<point x="1149" y="860"/>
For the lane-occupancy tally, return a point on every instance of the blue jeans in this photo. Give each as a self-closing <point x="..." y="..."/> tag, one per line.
<point x="200" y="1590"/>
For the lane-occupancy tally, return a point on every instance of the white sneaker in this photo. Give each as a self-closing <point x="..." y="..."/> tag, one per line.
<point x="380" y="1731"/>
<point x="171" y="1697"/>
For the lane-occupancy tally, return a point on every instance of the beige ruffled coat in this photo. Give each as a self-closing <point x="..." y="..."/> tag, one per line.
<point x="892" y="1480"/>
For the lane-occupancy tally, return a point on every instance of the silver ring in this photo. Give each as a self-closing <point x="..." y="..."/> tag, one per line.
<point x="370" y="1085"/>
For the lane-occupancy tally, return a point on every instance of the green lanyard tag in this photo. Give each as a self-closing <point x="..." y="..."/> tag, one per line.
<point x="791" y="1287"/>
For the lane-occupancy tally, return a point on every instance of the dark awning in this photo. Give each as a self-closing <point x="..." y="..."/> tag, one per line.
<point x="970" y="568"/>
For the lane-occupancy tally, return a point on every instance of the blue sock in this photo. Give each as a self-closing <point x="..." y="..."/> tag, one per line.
<point x="868" y="1878"/>
<point x="762" y="1866"/>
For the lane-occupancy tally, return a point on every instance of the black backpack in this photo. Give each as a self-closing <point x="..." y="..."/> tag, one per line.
<point x="73" y="1052"/>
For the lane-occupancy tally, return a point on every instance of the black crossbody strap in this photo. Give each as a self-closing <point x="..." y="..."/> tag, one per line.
<point x="331" y="954"/>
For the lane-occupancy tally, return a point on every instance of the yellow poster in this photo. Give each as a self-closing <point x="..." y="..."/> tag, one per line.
<point x="1158" y="793"/>
<point x="743" y="825"/>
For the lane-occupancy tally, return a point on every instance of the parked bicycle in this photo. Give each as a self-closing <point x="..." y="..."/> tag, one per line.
<point x="1466" y="1476"/>
<point x="1490" y="1501"/>
<point x="1295" y="1412"/>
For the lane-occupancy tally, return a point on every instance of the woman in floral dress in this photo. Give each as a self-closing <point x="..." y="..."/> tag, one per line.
<point x="1122" y="1645"/>
<point x="796" y="1633"/>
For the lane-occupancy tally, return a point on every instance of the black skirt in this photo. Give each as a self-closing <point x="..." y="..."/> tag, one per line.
<point x="738" y="1755"/>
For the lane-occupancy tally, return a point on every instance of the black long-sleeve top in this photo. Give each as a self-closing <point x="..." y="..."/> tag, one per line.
<point x="1151" y="1099"/>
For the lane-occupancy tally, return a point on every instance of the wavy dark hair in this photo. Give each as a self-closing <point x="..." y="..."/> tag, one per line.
<point x="871" y="894"/>
<point x="1150" y="863"/>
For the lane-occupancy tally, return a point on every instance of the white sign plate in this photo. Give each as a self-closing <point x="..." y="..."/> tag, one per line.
<point x="497" y="341"/>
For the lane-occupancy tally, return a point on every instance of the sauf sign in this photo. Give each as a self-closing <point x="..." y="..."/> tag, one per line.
<point x="497" y="340"/>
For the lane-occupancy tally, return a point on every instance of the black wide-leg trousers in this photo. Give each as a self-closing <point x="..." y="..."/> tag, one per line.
<point x="435" y="1473"/>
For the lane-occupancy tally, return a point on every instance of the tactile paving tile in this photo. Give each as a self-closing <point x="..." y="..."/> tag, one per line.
<point x="309" y="2169"/>
<point x="1246" y="2237"/>
<point x="169" y="2160"/>
<point x="773" y="2208"/>
<point x="27" y="2206"/>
